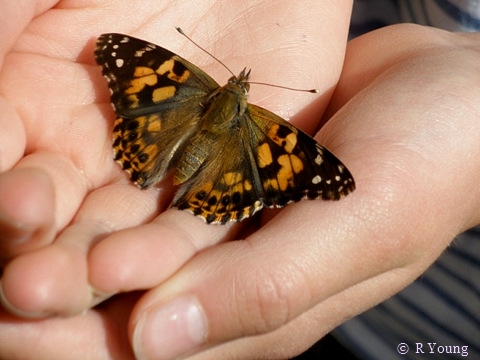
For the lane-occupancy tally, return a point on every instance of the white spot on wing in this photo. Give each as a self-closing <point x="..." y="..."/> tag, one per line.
<point x="119" y="62"/>
<point x="317" y="179"/>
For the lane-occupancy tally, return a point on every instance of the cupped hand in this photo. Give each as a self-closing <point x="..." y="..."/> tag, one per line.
<point x="402" y="118"/>
<point x="61" y="194"/>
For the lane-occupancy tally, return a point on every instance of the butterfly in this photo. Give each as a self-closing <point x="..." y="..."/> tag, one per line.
<point x="229" y="158"/>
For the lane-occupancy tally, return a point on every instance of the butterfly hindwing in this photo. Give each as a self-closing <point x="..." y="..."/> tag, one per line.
<point x="149" y="146"/>
<point x="224" y="187"/>
<point x="291" y="165"/>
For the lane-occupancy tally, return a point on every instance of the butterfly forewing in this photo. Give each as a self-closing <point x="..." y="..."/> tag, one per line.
<point x="146" y="78"/>
<point x="229" y="158"/>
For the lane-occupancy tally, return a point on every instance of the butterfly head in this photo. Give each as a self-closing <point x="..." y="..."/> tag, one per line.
<point x="241" y="80"/>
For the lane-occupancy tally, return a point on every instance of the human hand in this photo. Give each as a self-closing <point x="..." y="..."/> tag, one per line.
<point x="406" y="111"/>
<point x="282" y="288"/>
<point x="405" y="118"/>
<point x="67" y="194"/>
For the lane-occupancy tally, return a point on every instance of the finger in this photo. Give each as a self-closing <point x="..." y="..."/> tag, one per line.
<point x="55" y="279"/>
<point x="299" y="334"/>
<point x="41" y="196"/>
<point x="97" y="334"/>
<point x="15" y="17"/>
<point x="26" y="211"/>
<point x="144" y="256"/>
<point x="242" y="288"/>
<point x="12" y="136"/>
<point x="48" y="183"/>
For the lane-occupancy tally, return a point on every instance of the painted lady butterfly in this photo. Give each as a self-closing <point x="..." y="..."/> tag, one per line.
<point x="229" y="158"/>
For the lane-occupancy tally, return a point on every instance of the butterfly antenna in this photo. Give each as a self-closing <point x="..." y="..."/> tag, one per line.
<point x="314" y="91"/>
<point x="205" y="51"/>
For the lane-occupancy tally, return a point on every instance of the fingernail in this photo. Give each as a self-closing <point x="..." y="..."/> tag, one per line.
<point x="20" y="313"/>
<point x="170" y="330"/>
<point x="14" y="232"/>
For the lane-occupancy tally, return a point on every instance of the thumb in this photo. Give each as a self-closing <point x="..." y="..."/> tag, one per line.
<point x="247" y="288"/>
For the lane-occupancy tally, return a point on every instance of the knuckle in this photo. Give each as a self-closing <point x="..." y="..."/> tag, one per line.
<point x="266" y="302"/>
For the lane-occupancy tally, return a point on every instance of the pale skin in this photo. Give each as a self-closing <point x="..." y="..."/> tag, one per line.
<point x="74" y="230"/>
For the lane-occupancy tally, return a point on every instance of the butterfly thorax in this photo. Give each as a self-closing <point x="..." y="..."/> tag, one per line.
<point x="226" y="105"/>
<point x="224" y="110"/>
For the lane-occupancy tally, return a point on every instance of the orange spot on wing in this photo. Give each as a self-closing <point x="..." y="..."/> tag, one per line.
<point x="264" y="155"/>
<point x="139" y="83"/>
<point x="163" y="93"/>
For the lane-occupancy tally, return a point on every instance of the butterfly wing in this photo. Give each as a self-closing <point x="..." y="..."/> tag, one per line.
<point x="291" y="165"/>
<point x="224" y="187"/>
<point x="158" y="97"/>
<point x="167" y="119"/>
